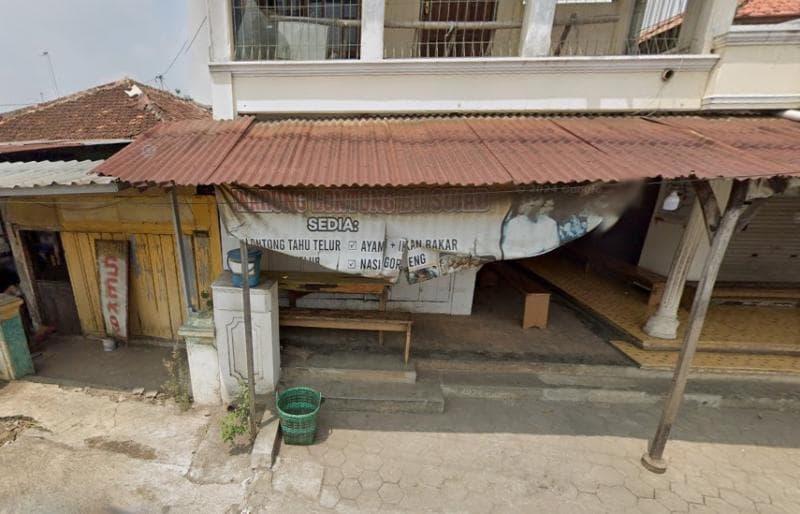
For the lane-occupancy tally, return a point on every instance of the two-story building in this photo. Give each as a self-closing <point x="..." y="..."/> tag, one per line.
<point x="418" y="141"/>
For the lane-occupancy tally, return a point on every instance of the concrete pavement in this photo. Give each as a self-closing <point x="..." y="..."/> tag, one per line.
<point x="104" y="452"/>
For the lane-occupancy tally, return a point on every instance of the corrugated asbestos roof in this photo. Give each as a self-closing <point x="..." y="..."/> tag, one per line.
<point x="38" y="174"/>
<point x="457" y="151"/>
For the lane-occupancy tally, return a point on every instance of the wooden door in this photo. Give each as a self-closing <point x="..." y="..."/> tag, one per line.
<point x="156" y="303"/>
<point x="456" y="42"/>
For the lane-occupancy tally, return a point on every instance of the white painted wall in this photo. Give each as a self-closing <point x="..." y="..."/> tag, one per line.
<point x="665" y="232"/>
<point x="744" y="67"/>
<point x="449" y="294"/>
<point x="759" y="68"/>
<point x="587" y="84"/>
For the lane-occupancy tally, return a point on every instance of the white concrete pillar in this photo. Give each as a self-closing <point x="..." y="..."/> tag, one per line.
<point x="537" y="26"/>
<point x="372" y="13"/>
<point x="705" y="20"/>
<point x="201" y="352"/>
<point x="220" y="31"/>
<point x="229" y="329"/>
<point x="223" y="101"/>
<point x="664" y="322"/>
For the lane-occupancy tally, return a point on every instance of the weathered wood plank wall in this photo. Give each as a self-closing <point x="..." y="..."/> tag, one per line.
<point x="157" y="307"/>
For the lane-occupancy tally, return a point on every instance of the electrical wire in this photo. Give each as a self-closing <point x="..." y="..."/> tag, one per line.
<point x="187" y="44"/>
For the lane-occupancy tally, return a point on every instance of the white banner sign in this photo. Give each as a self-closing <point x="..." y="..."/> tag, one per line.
<point x="428" y="232"/>
<point x="112" y="268"/>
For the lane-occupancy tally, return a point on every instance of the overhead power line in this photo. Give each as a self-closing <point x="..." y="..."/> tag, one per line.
<point x="187" y="44"/>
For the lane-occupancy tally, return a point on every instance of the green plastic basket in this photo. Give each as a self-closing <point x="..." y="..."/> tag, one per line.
<point x="297" y="409"/>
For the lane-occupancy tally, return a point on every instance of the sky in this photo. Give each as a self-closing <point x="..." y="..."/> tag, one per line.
<point x="90" y="42"/>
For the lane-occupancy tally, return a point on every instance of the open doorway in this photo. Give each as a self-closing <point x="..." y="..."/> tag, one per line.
<point x="51" y="281"/>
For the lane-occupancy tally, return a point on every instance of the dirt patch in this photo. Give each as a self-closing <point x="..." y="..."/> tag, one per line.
<point x="12" y="426"/>
<point x="129" y="448"/>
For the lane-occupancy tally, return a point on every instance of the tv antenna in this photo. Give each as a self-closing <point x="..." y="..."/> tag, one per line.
<point x="52" y="72"/>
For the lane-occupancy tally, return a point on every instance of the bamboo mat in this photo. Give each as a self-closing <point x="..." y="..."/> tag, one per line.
<point x="711" y="361"/>
<point x="728" y="328"/>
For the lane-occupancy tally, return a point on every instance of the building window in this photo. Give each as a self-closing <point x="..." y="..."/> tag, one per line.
<point x="452" y="28"/>
<point x="296" y="30"/>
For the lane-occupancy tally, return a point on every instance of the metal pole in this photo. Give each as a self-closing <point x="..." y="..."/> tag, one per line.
<point x="653" y="460"/>
<point x="248" y="336"/>
<point x="181" y="246"/>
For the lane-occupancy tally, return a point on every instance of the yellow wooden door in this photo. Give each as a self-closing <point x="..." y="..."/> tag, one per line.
<point x="156" y="303"/>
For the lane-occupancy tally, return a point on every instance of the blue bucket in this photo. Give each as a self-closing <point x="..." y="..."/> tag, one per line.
<point x="254" y="266"/>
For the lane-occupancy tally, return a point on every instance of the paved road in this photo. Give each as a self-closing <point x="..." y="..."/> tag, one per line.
<point x="101" y="453"/>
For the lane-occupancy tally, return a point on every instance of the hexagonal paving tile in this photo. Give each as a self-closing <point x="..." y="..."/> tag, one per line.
<point x="370" y="480"/>
<point x="329" y="497"/>
<point x="390" y="473"/>
<point x="333" y="457"/>
<point x="349" y="488"/>
<point x="390" y="493"/>
<point x="369" y="500"/>
<point x="332" y="476"/>
<point x="351" y="469"/>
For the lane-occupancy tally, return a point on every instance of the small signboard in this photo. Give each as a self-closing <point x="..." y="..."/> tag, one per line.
<point x="112" y="267"/>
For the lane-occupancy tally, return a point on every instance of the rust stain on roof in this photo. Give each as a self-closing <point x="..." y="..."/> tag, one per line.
<point x="457" y="151"/>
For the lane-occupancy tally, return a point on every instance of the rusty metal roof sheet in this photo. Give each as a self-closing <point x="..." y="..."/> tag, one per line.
<point x="457" y="151"/>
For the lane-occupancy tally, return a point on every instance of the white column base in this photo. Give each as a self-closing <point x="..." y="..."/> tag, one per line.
<point x="201" y="353"/>
<point x="662" y="327"/>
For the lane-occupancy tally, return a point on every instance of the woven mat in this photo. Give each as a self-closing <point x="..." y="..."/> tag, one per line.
<point x="728" y="328"/>
<point x="711" y="361"/>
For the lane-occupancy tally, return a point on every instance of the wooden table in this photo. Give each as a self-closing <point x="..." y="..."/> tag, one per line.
<point x="301" y="283"/>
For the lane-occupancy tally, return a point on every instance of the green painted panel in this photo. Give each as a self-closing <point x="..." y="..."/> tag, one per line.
<point x="14" y="335"/>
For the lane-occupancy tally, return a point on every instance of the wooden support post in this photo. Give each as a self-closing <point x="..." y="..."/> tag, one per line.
<point x="653" y="460"/>
<point x="181" y="247"/>
<point x="24" y="271"/>
<point x="248" y="336"/>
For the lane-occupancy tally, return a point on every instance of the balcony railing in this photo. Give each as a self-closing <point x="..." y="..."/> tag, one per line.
<point x="296" y="30"/>
<point x="452" y="28"/>
<point x="331" y="29"/>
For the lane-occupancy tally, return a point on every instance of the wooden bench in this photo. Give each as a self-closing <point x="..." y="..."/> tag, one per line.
<point x="351" y="320"/>
<point x="537" y="298"/>
<point x="746" y="292"/>
<point x="630" y="273"/>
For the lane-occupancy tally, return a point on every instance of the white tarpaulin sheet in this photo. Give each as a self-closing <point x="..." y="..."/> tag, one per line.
<point x="428" y="232"/>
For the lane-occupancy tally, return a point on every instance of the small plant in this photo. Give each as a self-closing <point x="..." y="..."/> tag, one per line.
<point x="206" y="297"/>
<point x="177" y="384"/>
<point x="236" y="421"/>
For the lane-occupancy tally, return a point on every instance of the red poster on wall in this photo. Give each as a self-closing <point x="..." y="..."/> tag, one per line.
<point x="112" y="267"/>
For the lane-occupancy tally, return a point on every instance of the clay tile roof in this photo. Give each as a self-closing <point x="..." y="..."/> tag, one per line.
<point x="102" y="112"/>
<point x="773" y="9"/>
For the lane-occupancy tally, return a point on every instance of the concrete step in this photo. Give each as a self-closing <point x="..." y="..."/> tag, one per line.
<point x="735" y="392"/>
<point x="302" y="364"/>
<point x="423" y="397"/>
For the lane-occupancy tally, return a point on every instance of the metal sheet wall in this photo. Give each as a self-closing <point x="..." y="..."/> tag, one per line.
<point x="768" y="250"/>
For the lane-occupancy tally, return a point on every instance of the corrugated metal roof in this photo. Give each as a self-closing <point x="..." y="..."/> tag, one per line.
<point x="38" y="174"/>
<point x="456" y="151"/>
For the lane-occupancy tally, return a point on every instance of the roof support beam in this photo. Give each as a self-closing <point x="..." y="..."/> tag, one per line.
<point x="708" y="205"/>
<point x="653" y="459"/>
<point x="180" y="245"/>
<point x="248" y="336"/>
